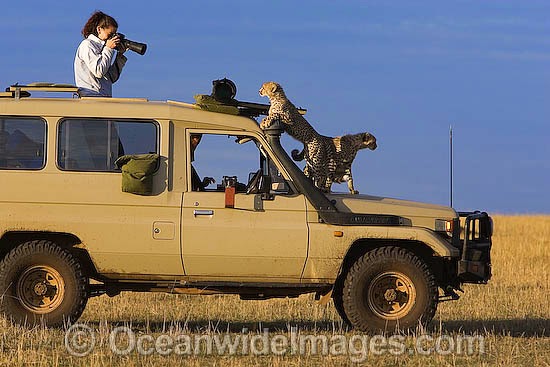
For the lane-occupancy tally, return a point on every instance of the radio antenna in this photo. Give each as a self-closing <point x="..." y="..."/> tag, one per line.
<point x="451" y="162"/>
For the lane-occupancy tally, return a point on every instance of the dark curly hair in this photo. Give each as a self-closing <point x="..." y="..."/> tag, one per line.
<point x="98" y="19"/>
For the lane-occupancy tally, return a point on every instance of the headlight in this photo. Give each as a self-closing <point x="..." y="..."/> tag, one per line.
<point x="444" y="225"/>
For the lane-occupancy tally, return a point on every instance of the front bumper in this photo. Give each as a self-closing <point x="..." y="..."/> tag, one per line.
<point x="474" y="265"/>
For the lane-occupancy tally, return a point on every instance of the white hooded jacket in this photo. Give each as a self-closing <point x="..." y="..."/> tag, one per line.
<point x="94" y="72"/>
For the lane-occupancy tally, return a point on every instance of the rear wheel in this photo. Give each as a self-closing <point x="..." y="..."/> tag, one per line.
<point x="42" y="283"/>
<point x="389" y="288"/>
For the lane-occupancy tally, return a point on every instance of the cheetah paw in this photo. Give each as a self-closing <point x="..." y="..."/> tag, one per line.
<point x="265" y="123"/>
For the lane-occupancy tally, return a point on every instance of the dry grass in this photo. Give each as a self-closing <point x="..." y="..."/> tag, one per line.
<point x="511" y="313"/>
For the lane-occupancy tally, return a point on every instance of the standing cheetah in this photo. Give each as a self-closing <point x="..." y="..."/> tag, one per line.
<point x="346" y="148"/>
<point x="318" y="158"/>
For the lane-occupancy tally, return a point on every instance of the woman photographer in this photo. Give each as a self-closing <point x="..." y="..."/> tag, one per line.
<point x="94" y="69"/>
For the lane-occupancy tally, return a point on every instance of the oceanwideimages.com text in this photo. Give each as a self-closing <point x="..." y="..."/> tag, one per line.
<point x="81" y="340"/>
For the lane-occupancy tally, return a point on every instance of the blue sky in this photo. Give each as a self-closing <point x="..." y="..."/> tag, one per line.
<point x="404" y="71"/>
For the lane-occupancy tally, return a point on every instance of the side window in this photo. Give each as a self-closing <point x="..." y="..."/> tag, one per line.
<point x="95" y="144"/>
<point x="22" y="143"/>
<point x="216" y="156"/>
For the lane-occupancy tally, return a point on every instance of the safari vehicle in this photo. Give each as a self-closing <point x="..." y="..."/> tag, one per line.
<point x="72" y="227"/>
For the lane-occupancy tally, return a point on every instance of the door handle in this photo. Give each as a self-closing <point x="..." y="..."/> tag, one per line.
<point x="197" y="212"/>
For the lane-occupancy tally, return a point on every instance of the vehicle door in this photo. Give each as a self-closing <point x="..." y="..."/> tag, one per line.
<point x="256" y="236"/>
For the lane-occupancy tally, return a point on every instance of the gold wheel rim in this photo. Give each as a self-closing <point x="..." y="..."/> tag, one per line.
<point x="391" y="295"/>
<point x="40" y="289"/>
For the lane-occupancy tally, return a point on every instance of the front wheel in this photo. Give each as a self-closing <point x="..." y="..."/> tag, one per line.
<point x="389" y="288"/>
<point x="42" y="283"/>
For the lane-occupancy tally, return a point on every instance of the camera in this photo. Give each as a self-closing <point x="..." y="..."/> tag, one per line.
<point x="137" y="47"/>
<point x="229" y="181"/>
<point x="224" y="90"/>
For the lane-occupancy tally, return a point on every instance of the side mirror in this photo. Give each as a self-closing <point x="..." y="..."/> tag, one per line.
<point x="264" y="193"/>
<point x="280" y="187"/>
<point x="258" y="183"/>
<point x="264" y="185"/>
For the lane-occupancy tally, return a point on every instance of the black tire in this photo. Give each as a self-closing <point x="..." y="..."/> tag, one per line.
<point x="42" y="284"/>
<point x="337" y="298"/>
<point x="389" y="289"/>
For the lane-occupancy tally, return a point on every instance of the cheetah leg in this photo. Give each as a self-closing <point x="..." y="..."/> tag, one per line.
<point x="330" y="172"/>
<point x="316" y="157"/>
<point x="321" y="183"/>
<point x="307" y="168"/>
<point x="322" y="180"/>
<point x="328" y="185"/>
<point x="350" y="184"/>
<point x="268" y="120"/>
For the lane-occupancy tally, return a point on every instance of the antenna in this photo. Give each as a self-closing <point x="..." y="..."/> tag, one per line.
<point x="451" y="161"/>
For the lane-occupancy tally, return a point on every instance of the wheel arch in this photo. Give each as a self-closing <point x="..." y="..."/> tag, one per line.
<point x="362" y="246"/>
<point x="68" y="241"/>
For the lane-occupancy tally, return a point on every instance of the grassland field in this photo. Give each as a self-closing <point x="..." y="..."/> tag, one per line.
<point x="510" y="317"/>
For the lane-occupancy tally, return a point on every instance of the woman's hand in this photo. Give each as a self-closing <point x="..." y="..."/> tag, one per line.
<point x="113" y="42"/>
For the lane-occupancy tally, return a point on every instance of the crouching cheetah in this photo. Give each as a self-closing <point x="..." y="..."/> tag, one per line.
<point x="345" y="149"/>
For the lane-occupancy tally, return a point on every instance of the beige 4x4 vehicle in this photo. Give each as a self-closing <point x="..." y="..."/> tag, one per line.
<point x="68" y="231"/>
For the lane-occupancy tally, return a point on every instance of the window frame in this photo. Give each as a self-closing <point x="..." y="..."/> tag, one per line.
<point x="263" y="149"/>
<point x="155" y="123"/>
<point x="45" y="142"/>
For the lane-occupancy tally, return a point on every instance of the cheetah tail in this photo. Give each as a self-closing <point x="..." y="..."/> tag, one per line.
<point x="297" y="156"/>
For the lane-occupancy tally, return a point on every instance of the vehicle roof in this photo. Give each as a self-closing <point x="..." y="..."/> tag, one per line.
<point x="123" y="108"/>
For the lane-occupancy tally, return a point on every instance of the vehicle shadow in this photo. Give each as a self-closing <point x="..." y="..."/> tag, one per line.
<point x="223" y="326"/>
<point x="510" y="327"/>
<point x="535" y="327"/>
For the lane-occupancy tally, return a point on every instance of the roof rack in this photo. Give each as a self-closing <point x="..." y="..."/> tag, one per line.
<point x="222" y="99"/>
<point x="18" y="91"/>
<point x="250" y="109"/>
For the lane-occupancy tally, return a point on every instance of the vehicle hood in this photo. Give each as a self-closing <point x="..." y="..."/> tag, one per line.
<point x="414" y="213"/>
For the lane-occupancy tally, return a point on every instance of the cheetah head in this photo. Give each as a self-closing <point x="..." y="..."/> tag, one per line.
<point x="368" y="141"/>
<point x="271" y="89"/>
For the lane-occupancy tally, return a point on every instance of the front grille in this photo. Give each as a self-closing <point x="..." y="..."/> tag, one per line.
<point x="475" y="262"/>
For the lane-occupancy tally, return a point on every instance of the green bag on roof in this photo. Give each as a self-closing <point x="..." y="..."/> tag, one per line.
<point x="137" y="172"/>
<point x="209" y="103"/>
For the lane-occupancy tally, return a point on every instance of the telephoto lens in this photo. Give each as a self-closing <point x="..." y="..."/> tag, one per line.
<point x="137" y="47"/>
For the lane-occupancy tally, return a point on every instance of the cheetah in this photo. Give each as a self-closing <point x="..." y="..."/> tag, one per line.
<point x="299" y="128"/>
<point x="328" y="159"/>
<point x="345" y="148"/>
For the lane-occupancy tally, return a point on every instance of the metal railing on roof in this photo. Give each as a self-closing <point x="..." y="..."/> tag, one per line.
<point x="18" y="91"/>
